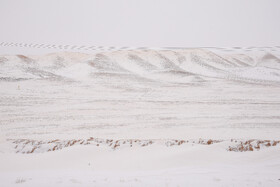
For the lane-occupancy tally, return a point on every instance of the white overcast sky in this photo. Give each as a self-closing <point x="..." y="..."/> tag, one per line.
<point x="151" y="23"/>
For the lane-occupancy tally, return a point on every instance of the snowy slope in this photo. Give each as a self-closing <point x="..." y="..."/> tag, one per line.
<point x="141" y="117"/>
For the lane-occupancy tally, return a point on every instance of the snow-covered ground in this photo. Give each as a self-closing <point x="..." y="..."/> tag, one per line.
<point x="141" y="117"/>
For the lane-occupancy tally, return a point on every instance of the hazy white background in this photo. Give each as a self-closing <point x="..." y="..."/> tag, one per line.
<point x="154" y="23"/>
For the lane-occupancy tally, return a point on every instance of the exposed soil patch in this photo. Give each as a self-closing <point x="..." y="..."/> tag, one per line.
<point x="34" y="146"/>
<point x="251" y="145"/>
<point x="25" y="59"/>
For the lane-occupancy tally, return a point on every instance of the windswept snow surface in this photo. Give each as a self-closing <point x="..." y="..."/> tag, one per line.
<point x="141" y="117"/>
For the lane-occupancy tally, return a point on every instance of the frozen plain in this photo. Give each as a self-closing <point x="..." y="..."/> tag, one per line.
<point x="141" y="117"/>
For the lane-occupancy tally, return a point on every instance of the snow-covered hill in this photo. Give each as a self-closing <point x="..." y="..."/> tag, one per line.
<point x="120" y="116"/>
